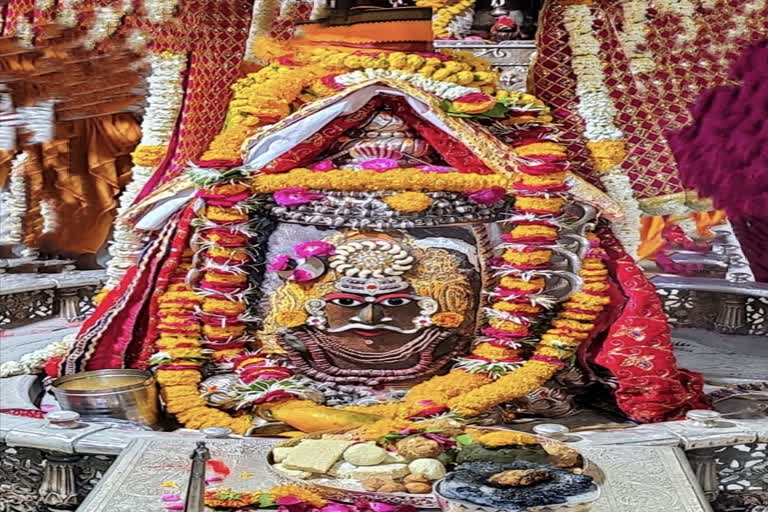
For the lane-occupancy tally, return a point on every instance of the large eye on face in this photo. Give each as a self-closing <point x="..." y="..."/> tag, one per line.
<point x="396" y="301"/>
<point x="347" y="302"/>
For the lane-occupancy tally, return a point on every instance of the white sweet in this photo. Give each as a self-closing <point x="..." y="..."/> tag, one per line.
<point x="384" y="470"/>
<point x="293" y="473"/>
<point x="365" y="454"/>
<point x="280" y="453"/>
<point x="431" y="468"/>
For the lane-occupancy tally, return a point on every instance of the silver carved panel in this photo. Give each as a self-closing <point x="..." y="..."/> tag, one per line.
<point x="134" y="482"/>
<point x="645" y="479"/>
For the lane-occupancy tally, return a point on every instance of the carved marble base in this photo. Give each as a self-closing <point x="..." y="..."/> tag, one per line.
<point x="28" y="479"/>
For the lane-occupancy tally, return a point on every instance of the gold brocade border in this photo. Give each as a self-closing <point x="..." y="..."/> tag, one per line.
<point x="163" y="192"/>
<point x="672" y="204"/>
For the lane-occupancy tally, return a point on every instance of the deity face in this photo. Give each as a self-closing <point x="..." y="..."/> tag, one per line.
<point x="379" y="312"/>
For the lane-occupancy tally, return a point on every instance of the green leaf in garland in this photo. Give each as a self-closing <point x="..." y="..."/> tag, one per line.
<point x="266" y="500"/>
<point x="464" y="440"/>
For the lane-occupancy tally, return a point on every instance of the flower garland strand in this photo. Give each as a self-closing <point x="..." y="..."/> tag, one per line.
<point x="14" y="203"/>
<point x="164" y="98"/>
<point x="605" y="141"/>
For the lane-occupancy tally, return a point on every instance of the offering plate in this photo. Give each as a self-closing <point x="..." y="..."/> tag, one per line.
<point x="349" y="490"/>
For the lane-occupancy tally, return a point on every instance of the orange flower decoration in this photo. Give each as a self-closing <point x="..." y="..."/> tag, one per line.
<point x="448" y="319"/>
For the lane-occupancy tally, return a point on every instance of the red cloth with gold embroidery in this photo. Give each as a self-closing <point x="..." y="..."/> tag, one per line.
<point x="637" y="346"/>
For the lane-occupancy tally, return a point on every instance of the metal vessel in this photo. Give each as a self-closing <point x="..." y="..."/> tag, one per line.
<point x="105" y="395"/>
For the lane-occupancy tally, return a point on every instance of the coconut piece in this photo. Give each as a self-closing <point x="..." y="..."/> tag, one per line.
<point x="430" y="468"/>
<point x="365" y="454"/>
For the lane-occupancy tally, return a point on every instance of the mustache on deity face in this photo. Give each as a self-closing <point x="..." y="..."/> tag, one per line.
<point x="376" y="327"/>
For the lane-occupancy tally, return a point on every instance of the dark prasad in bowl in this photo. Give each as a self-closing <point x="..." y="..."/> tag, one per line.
<point x="484" y="483"/>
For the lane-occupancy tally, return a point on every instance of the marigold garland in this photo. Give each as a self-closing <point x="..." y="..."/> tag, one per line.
<point x="406" y="180"/>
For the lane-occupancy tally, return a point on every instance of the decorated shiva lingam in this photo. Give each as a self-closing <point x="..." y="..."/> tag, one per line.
<point x="369" y="292"/>
<point x="386" y="248"/>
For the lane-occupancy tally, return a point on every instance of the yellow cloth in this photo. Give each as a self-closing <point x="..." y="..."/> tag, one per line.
<point x="88" y="164"/>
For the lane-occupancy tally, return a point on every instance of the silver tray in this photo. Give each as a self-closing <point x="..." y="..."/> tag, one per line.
<point x="350" y="491"/>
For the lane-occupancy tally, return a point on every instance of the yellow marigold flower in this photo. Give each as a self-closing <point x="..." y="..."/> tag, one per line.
<point x="212" y="305"/>
<point x="228" y="189"/>
<point x="233" y="331"/>
<point x="538" y="257"/>
<point x="516" y="283"/>
<point x="552" y="204"/>
<point x="427" y="71"/>
<point x="541" y="148"/>
<point x="548" y="180"/>
<point x="180" y="353"/>
<point x="291" y="318"/>
<point x="301" y="493"/>
<point x="409" y="202"/>
<point x="215" y="276"/>
<point x="177" y="377"/>
<point x="448" y="319"/>
<point x="505" y="438"/>
<point x="149" y="156"/>
<point x="179" y="405"/>
<point x="224" y="214"/>
<point x="525" y="231"/>
<point x="607" y="154"/>
<point x="516" y="307"/>
<point x="578" y="316"/>
<point x="493" y="352"/>
<point x="506" y="325"/>
<point x="381" y="428"/>
<point x="571" y="324"/>
<point x="506" y="388"/>
<point x="474" y="107"/>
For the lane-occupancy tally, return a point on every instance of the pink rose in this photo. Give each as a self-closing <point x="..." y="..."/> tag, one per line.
<point x="294" y="196"/>
<point x="330" y="81"/>
<point x="488" y="196"/>
<point x="323" y="165"/>
<point x="280" y="263"/>
<point x="380" y="164"/>
<point x="314" y="248"/>
<point x="301" y="276"/>
<point x="288" y="500"/>
<point x="474" y="97"/>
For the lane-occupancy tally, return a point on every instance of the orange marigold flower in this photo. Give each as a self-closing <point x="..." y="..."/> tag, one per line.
<point x="225" y="214"/>
<point x="493" y="352"/>
<point x="516" y="283"/>
<point x="552" y="204"/>
<point x="310" y="498"/>
<point x="541" y="148"/>
<point x="516" y="307"/>
<point x="539" y="257"/>
<point x="448" y="319"/>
